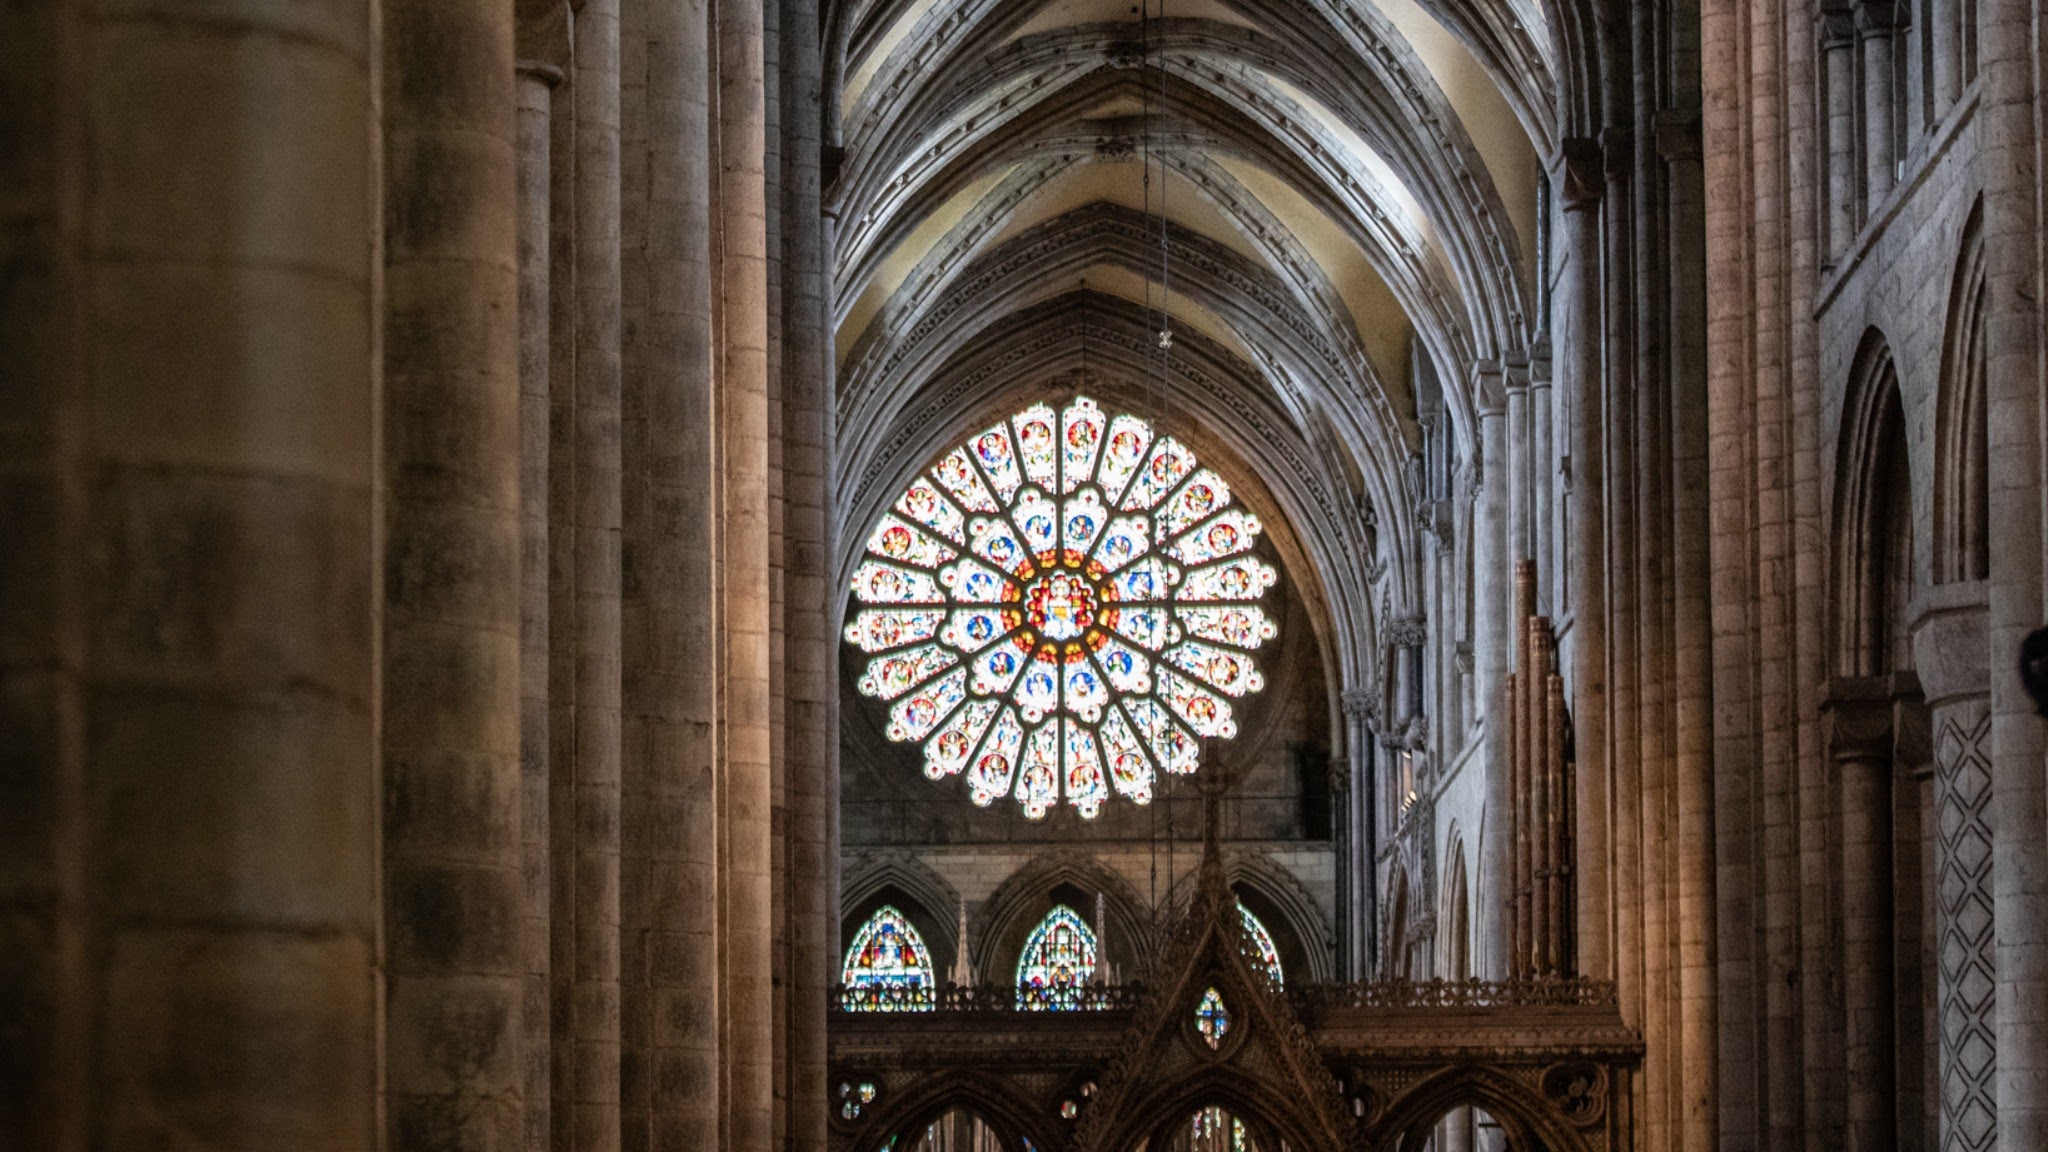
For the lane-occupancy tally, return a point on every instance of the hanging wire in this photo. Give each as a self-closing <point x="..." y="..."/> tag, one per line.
<point x="1165" y="389"/>
<point x="1152" y="410"/>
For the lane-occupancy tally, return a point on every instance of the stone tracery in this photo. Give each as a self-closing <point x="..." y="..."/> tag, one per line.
<point x="1065" y="603"/>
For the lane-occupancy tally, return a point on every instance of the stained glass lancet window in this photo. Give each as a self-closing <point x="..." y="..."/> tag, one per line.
<point x="1062" y="607"/>
<point x="1264" y="956"/>
<point x="887" y="967"/>
<point x="1057" y="962"/>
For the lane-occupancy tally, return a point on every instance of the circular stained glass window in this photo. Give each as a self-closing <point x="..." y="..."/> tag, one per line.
<point x="1062" y="607"/>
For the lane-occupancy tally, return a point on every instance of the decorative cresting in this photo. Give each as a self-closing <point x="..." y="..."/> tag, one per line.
<point x="1061" y="607"/>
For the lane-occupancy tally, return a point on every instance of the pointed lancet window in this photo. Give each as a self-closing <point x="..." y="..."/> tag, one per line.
<point x="888" y="968"/>
<point x="1058" y="961"/>
<point x="1263" y="955"/>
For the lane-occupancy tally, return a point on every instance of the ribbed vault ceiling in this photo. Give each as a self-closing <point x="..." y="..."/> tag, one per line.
<point x="1330" y="199"/>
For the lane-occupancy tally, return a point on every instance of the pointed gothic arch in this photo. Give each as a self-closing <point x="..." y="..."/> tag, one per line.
<point x="1261" y="945"/>
<point x="1016" y="1120"/>
<point x="999" y="927"/>
<point x="1455" y="936"/>
<point x="1875" y="720"/>
<point x="912" y="887"/>
<point x="1872" y="474"/>
<point x="889" y="960"/>
<point x="1527" y="1117"/>
<point x="1059" y="958"/>
<point x="1962" y="486"/>
<point x="1394" y="935"/>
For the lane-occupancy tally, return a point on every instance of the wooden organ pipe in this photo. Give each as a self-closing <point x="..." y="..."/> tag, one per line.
<point x="1540" y="786"/>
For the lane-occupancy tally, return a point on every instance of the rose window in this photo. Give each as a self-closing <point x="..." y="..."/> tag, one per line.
<point x="1062" y="607"/>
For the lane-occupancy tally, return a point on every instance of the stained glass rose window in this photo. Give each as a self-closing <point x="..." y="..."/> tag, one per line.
<point x="1064" y="606"/>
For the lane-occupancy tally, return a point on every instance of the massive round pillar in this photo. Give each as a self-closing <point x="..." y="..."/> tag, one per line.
<point x="453" y="892"/>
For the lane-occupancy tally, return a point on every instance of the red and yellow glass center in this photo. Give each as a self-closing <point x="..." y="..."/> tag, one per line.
<point x="1060" y="605"/>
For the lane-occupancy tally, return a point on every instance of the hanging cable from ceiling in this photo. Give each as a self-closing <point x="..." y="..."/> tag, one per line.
<point x="1165" y="341"/>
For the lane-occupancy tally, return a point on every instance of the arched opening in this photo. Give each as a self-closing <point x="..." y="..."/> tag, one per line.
<point x="888" y="967"/>
<point x="1260" y="948"/>
<point x="1396" y="963"/>
<point x="1467" y="1128"/>
<point x="1882" y="768"/>
<point x="1216" y="1129"/>
<point x="960" y="1130"/>
<point x="1480" y="1110"/>
<point x="1454" y="933"/>
<point x="932" y="925"/>
<point x="1058" y="962"/>
<point x="1962" y="539"/>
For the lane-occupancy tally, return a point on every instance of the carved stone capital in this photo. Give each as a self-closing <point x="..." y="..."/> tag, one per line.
<point x="1950" y="638"/>
<point x="1678" y="135"/>
<point x="1618" y="152"/>
<point x="1857" y="718"/>
<point x="1116" y="149"/>
<point x="1835" y="27"/>
<point x="1362" y="704"/>
<point x="1408" y="632"/>
<point x="1881" y="17"/>
<point x="1584" y="174"/>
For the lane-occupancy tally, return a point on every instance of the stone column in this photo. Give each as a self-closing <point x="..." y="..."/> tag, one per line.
<point x="1876" y="27"/>
<point x="1947" y="30"/>
<point x="187" y="619"/>
<point x="1838" y="71"/>
<point x="1690" y="580"/>
<point x="594" y="528"/>
<point x="1577" y="329"/>
<point x="453" y="905"/>
<point x="44" y="454"/>
<point x="1616" y="420"/>
<point x="670" y="648"/>
<point x="564" y="306"/>
<point x="1860" y="734"/>
<point x="1492" y="648"/>
<point x="813" y="642"/>
<point x="642" y="698"/>
<point x="2011" y="130"/>
<point x="744" y="583"/>
<point x="536" y="84"/>
<point x="1520" y="532"/>
<point x="1360" y="916"/>
<point x="1542" y="466"/>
